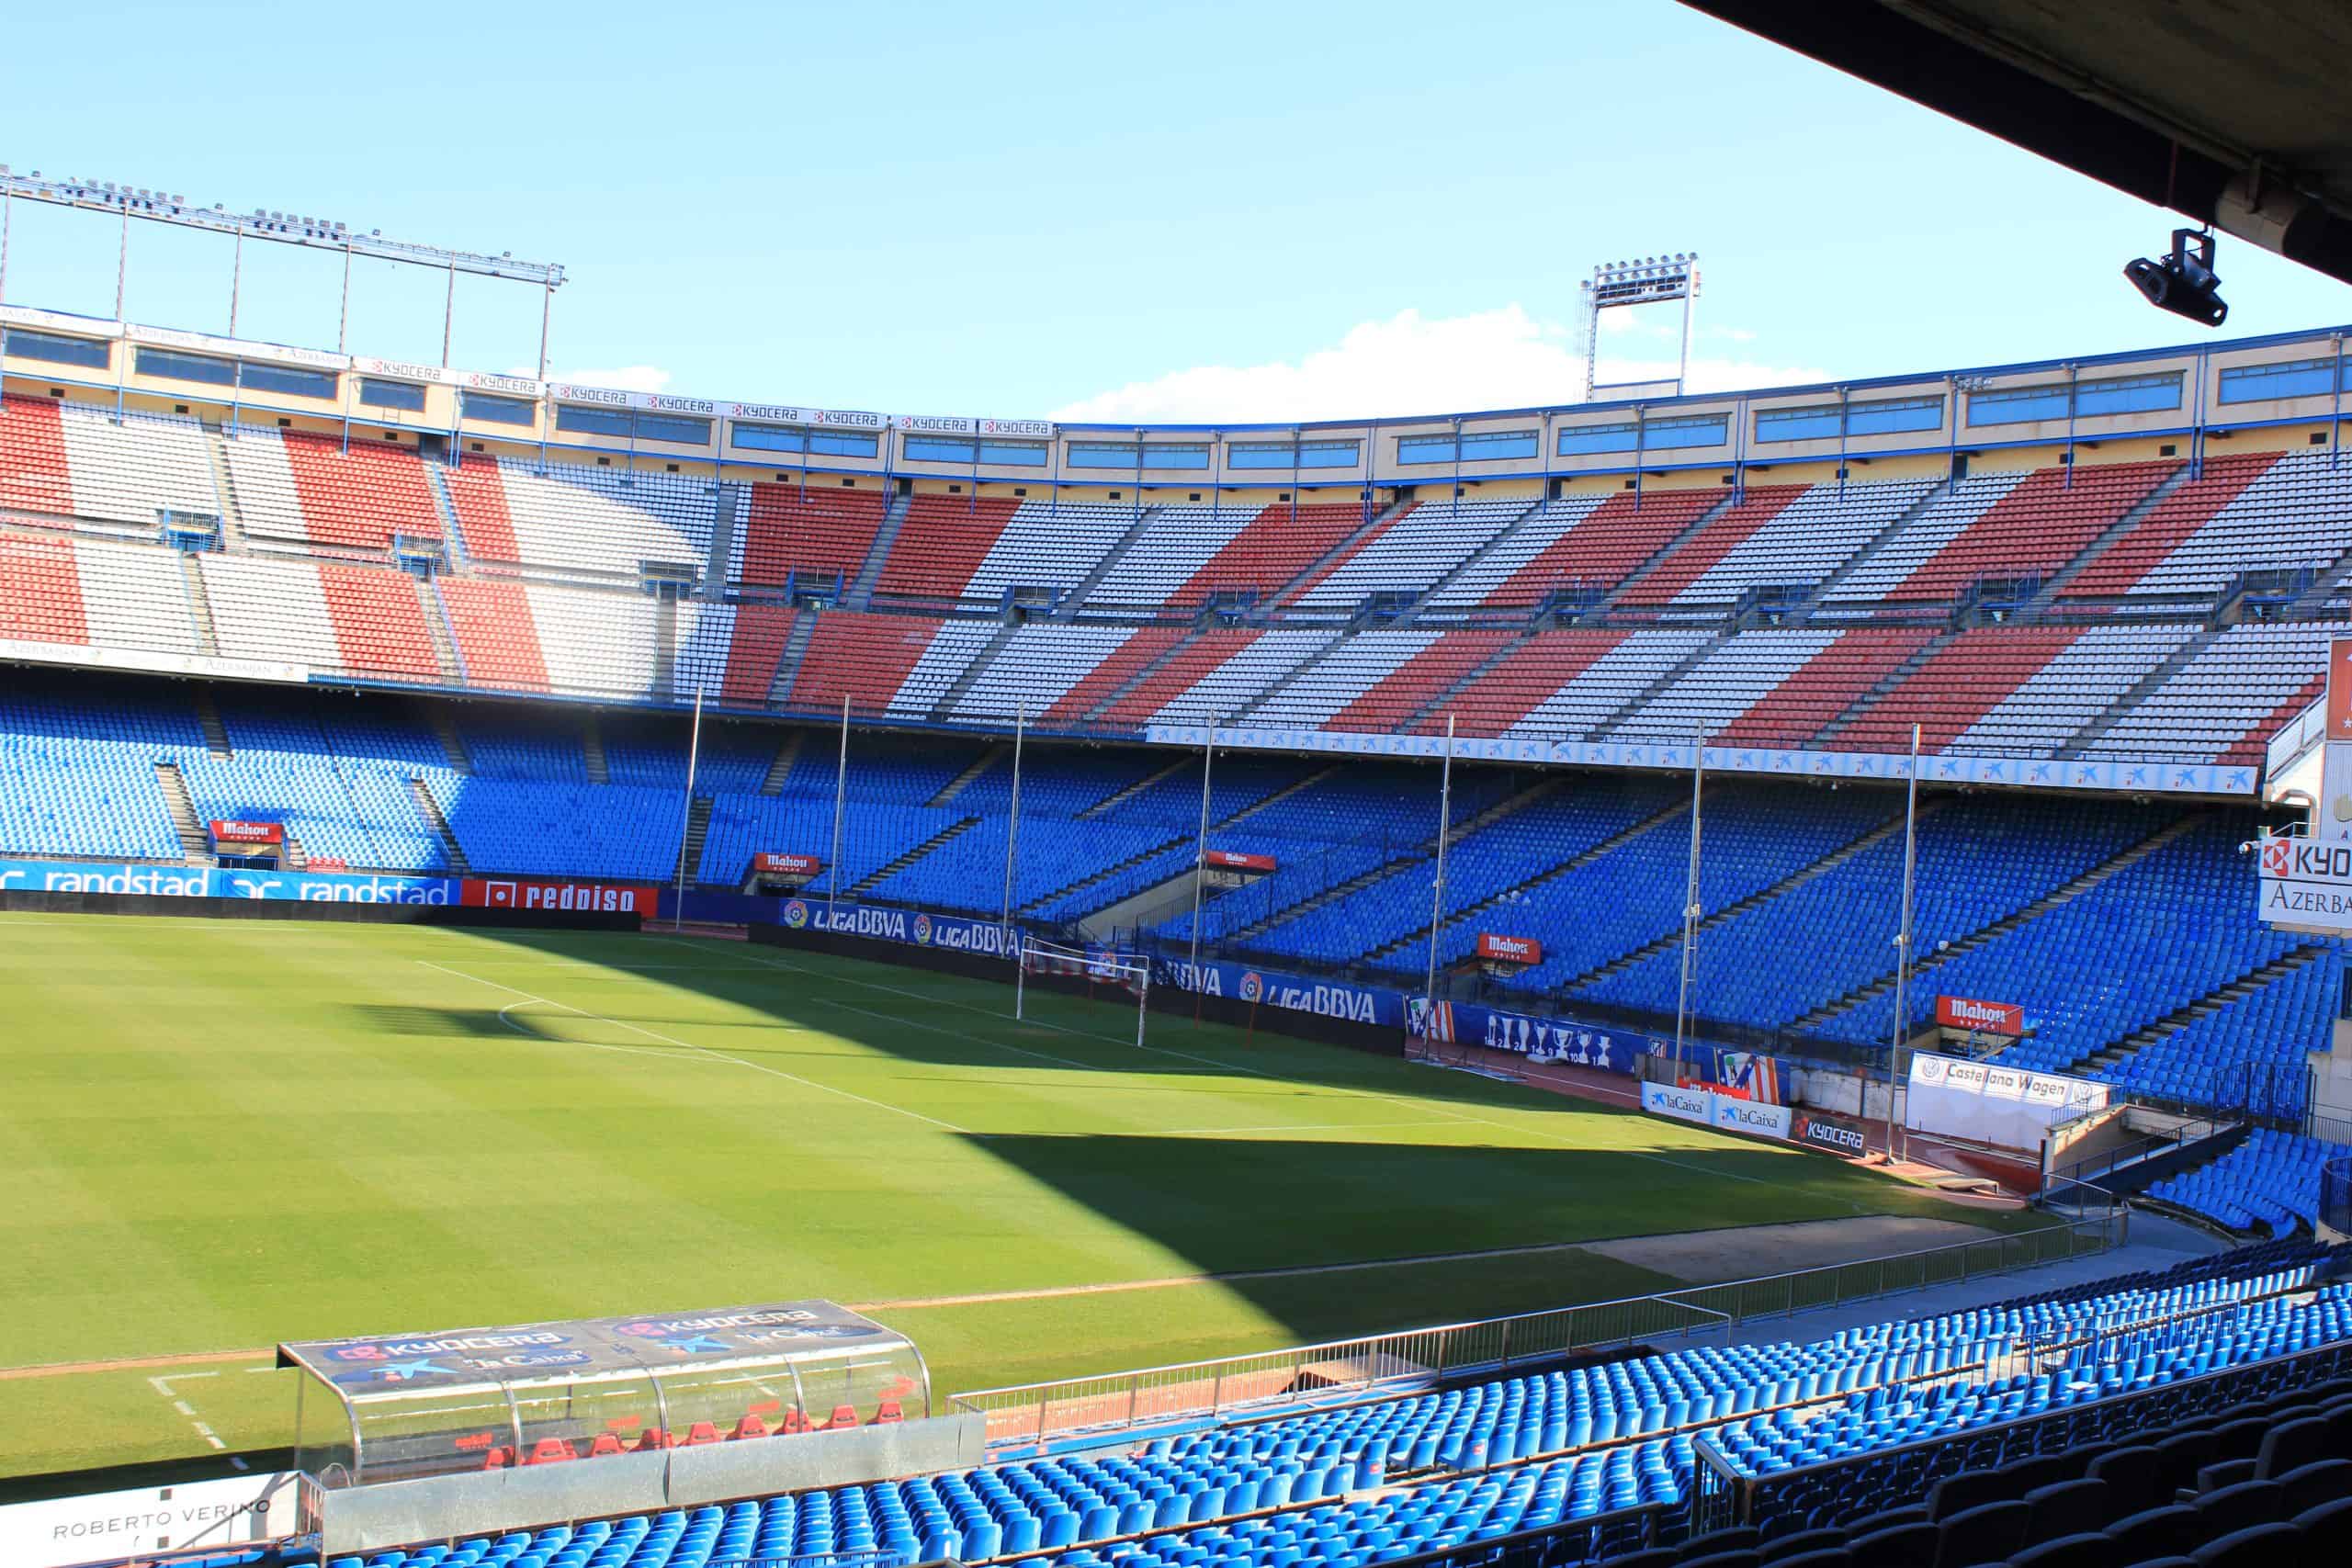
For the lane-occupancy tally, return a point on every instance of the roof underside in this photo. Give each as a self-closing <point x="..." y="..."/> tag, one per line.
<point x="2232" y="112"/>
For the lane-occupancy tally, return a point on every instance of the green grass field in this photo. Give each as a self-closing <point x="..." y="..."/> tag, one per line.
<point x="220" y="1135"/>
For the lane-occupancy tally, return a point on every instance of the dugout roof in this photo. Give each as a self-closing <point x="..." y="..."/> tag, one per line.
<point x="387" y="1366"/>
<point x="2232" y="114"/>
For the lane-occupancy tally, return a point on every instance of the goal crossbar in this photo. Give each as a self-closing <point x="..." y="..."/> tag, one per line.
<point x="1093" y="965"/>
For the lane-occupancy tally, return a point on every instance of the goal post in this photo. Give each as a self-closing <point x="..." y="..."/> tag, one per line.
<point x="1093" y="966"/>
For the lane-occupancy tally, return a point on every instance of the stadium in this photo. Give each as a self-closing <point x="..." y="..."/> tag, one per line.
<point x="608" y="979"/>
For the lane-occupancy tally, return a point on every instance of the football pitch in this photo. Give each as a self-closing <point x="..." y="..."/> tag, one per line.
<point x="223" y="1134"/>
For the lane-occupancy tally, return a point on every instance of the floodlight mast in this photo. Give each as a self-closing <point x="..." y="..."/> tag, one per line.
<point x="127" y="202"/>
<point x="1647" y="280"/>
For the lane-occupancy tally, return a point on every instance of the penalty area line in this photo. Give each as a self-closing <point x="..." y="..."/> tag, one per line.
<point x="690" y="1045"/>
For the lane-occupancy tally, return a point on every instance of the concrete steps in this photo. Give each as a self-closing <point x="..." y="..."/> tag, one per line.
<point x="194" y="842"/>
<point x="954" y="829"/>
<point x="430" y="809"/>
<point x="2205" y="1006"/>
<point x="787" y="752"/>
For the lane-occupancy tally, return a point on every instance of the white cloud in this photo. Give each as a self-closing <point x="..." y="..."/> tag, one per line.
<point x="625" y="378"/>
<point x="1410" y="365"/>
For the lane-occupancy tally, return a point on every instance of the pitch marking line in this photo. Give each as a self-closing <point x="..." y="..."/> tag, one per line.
<point x="163" y="1385"/>
<point x="690" y="1045"/>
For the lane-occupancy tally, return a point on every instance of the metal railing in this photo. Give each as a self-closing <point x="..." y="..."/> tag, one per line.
<point x="2090" y="1168"/>
<point x="1721" y="1495"/>
<point x="1273" y="1381"/>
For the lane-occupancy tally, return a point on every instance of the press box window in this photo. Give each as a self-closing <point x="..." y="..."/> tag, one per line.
<point x="2295" y="379"/>
<point x="1013" y="454"/>
<point x="592" y="419"/>
<point x="494" y="410"/>
<point x="404" y="395"/>
<point x="1285" y="456"/>
<point x="789" y="438"/>
<point x="2124" y="394"/>
<point x="937" y="448"/>
<point x="89" y="354"/>
<point x="1104" y="455"/>
<point x="1819" y="422"/>
<point x="288" y="381"/>
<point x="176" y="367"/>
<point x="1476" y="447"/>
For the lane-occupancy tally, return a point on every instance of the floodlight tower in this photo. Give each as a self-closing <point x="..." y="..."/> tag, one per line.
<point x="1649" y="280"/>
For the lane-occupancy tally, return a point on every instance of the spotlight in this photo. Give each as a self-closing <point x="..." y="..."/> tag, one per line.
<point x="2184" y="282"/>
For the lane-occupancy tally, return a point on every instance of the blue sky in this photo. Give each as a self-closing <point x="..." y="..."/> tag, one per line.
<point x="1181" y="212"/>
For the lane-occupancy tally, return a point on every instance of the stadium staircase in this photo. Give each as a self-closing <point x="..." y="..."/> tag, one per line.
<point x="2133" y="516"/>
<point x="199" y="605"/>
<point x="1507" y="529"/>
<point x="446" y="657"/>
<point x="788" y="667"/>
<point x="1870" y="548"/>
<point x="1665" y="552"/>
<point x="233" y="522"/>
<point x="860" y="592"/>
<point x="697" y="830"/>
<point x="430" y="809"/>
<point x="1144" y="672"/>
<point x="727" y="521"/>
<point x="453" y="745"/>
<point x="2147" y="687"/>
<point x="438" y="486"/>
<point x="665" y="648"/>
<point x="2181" y="1018"/>
<point x="1255" y="806"/>
<point x="2328" y="585"/>
<point x="964" y="780"/>
<point x="945" y="705"/>
<point x="1573" y="863"/>
<point x="1075" y="595"/>
<point x="1104" y="874"/>
<point x="787" y="751"/>
<point x="592" y="751"/>
<point x="1114" y="800"/>
<point x="956" y="829"/>
<point x="208" y="719"/>
<point x="295" y="856"/>
<point x="178" y="801"/>
<point x="2006" y="924"/>
<point x="1861" y="706"/>
<point x="1339" y="555"/>
<point x="1827" y="863"/>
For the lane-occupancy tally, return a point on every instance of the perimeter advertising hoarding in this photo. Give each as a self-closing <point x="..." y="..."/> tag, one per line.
<point x="1234" y="860"/>
<point x="241" y="832"/>
<point x="542" y="893"/>
<point x="787" y="864"/>
<point x="1725" y="1114"/>
<point x="1495" y="948"/>
<point x="1981" y="1017"/>
<point x="2306" y="883"/>
<point x="1984" y="1102"/>
<point x="950" y="932"/>
<point x="229" y="1512"/>
<point x="1325" y="998"/>
<point x="1537" y="1039"/>
<point x="213" y="882"/>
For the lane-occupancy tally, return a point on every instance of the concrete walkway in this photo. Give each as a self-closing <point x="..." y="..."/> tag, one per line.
<point x="2155" y="1243"/>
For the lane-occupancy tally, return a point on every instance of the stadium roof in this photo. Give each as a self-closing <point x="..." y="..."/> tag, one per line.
<point x="2233" y="115"/>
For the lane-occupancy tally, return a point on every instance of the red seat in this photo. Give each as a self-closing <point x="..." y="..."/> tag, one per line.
<point x="701" y="1432"/>
<point x="498" y="1459"/>
<point x="605" y="1443"/>
<point x="550" y="1450"/>
<point x="654" y="1438"/>
<point x="888" y="1410"/>
<point x="749" y="1427"/>
<point x="843" y="1416"/>
<point x="793" y="1422"/>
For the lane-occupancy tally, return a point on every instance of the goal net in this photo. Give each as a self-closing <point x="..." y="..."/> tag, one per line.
<point x="1103" y="971"/>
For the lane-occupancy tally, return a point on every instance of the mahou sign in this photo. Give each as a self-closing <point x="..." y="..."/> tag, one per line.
<point x="787" y="866"/>
<point x="1497" y="949"/>
<point x="1984" y="1017"/>
<point x="529" y="893"/>
<point x="1234" y="860"/>
<point x="243" y="833"/>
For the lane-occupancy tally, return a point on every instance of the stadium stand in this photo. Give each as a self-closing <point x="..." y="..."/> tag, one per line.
<point x="296" y="487"/>
<point x="1852" y="1430"/>
<point x="569" y="520"/>
<point x="792" y="533"/>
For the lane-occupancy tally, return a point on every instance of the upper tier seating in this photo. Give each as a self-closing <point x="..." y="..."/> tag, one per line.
<point x="794" y="531"/>
<point x="316" y="490"/>
<point x="1801" y="540"/>
<point x="1414" y="550"/>
<point x="2225" y="703"/>
<point x="1035" y="669"/>
<point x="2247" y="509"/>
<point x="943" y="540"/>
<point x="1228" y="689"/>
<point x="95" y="593"/>
<point x="863" y="658"/>
<point x="569" y="519"/>
<point x="81" y="461"/>
<point x="1173" y="543"/>
<point x="365" y="621"/>
<point x="1049" y="545"/>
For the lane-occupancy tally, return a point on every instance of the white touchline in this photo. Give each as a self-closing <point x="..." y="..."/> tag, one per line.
<point x="690" y="1045"/>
